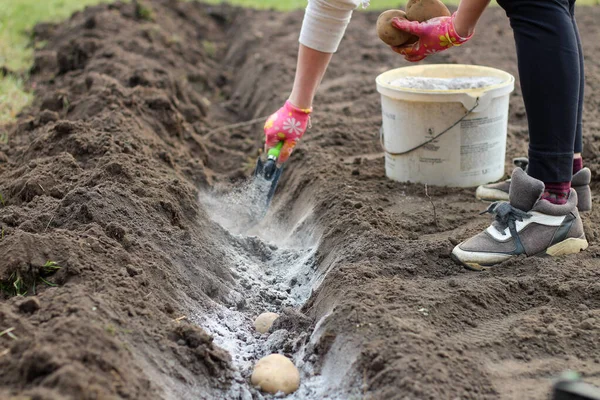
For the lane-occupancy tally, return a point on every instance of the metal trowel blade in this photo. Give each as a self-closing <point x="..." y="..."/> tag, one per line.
<point x="271" y="179"/>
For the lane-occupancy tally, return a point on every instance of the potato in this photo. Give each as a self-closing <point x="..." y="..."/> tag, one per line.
<point x="264" y="321"/>
<point x="410" y="4"/>
<point x="275" y="373"/>
<point x="423" y="10"/>
<point x="386" y="31"/>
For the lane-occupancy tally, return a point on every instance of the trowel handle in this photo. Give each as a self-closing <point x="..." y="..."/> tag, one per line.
<point x="275" y="151"/>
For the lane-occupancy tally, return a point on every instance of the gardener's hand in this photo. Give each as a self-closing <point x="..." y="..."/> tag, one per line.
<point x="288" y="124"/>
<point x="435" y="35"/>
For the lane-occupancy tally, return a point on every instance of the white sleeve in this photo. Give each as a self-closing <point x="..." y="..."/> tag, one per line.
<point x="325" y="23"/>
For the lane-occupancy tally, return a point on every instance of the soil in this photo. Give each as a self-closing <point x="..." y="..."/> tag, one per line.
<point x="119" y="175"/>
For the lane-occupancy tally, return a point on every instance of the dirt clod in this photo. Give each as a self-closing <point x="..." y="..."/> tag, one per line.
<point x="29" y="305"/>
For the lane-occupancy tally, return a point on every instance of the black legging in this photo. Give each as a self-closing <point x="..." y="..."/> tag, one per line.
<point x="550" y="60"/>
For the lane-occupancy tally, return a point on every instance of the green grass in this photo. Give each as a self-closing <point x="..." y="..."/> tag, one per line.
<point x="17" y="17"/>
<point x="12" y="98"/>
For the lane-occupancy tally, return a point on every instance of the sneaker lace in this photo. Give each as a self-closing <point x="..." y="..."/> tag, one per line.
<point x="505" y="216"/>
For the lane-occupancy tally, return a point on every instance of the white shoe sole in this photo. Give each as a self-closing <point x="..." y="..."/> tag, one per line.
<point x="480" y="261"/>
<point x="568" y="246"/>
<point x="487" y="194"/>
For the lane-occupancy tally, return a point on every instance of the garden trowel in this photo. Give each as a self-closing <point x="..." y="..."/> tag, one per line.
<point x="268" y="174"/>
<point x="570" y="387"/>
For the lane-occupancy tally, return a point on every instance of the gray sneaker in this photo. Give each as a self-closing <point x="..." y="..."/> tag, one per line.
<point x="525" y="225"/>
<point x="580" y="182"/>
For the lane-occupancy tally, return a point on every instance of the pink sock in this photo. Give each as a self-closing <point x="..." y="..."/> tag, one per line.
<point x="577" y="165"/>
<point x="557" y="192"/>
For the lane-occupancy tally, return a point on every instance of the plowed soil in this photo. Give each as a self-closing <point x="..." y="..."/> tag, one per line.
<point x="120" y="176"/>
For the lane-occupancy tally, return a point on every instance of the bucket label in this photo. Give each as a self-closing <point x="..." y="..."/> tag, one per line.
<point x="389" y="115"/>
<point x="481" y="145"/>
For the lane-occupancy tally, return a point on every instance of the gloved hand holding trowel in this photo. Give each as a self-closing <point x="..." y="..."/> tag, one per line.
<point x="282" y="132"/>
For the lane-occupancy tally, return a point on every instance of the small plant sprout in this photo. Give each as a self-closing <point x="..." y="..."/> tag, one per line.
<point x="111" y="330"/>
<point x="65" y="102"/>
<point x="210" y="48"/>
<point x="8" y="332"/>
<point x="14" y="285"/>
<point x="47" y="282"/>
<point x="50" y="267"/>
<point x="19" y="286"/>
<point x="143" y="12"/>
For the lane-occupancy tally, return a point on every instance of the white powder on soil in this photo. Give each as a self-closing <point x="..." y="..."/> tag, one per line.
<point x="475" y="82"/>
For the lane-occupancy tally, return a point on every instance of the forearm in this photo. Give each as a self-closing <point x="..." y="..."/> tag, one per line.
<point x="323" y="28"/>
<point x="312" y="65"/>
<point x="469" y="12"/>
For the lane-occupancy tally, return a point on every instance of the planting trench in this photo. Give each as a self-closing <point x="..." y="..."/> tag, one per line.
<point x="120" y="175"/>
<point x="274" y="265"/>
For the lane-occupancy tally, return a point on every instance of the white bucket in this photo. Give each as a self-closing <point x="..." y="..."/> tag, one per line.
<point x="472" y="122"/>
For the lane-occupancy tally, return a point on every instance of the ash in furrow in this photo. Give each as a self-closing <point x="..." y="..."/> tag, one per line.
<point x="274" y="265"/>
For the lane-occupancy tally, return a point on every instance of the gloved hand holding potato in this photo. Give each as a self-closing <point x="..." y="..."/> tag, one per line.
<point x="435" y="35"/>
<point x="426" y="27"/>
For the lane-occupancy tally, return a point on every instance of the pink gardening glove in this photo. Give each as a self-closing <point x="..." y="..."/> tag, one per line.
<point x="435" y="35"/>
<point x="288" y="124"/>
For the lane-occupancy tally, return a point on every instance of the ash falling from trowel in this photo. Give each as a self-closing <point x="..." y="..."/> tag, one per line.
<point x="274" y="267"/>
<point x="240" y="209"/>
